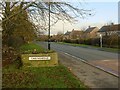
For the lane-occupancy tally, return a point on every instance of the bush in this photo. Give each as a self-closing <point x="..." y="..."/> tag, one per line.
<point x="13" y="42"/>
<point x="87" y="42"/>
<point x="109" y="41"/>
<point x="67" y="40"/>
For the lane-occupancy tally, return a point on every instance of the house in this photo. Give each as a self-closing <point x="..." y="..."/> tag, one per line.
<point x="109" y="30"/>
<point x="76" y="34"/>
<point x="73" y="35"/>
<point x="66" y="35"/>
<point x="91" y="32"/>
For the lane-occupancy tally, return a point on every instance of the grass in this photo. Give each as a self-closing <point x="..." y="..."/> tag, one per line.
<point x="15" y="76"/>
<point x="90" y="46"/>
<point x="116" y="50"/>
<point x="29" y="48"/>
<point x="42" y="77"/>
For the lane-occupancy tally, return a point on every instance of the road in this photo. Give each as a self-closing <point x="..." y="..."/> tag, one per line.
<point x="89" y="75"/>
<point x="102" y="59"/>
<point x="83" y="53"/>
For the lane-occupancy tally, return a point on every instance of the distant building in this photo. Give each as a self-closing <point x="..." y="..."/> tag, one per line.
<point x="91" y="32"/>
<point x="76" y="34"/>
<point x="66" y="35"/>
<point x="73" y="35"/>
<point x="110" y="30"/>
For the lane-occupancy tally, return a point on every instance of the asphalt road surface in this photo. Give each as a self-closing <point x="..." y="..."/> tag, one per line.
<point x="107" y="61"/>
<point x="87" y="54"/>
<point x="91" y="76"/>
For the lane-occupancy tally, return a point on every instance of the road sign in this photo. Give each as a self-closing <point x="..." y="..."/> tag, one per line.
<point x="39" y="58"/>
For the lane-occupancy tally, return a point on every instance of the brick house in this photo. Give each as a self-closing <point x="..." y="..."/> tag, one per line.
<point x="73" y="35"/>
<point x="109" y="30"/>
<point x="91" y="32"/>
<point x="110" y="35"/>
<point x="76" y="34"/>
<point x="66" y="35"/>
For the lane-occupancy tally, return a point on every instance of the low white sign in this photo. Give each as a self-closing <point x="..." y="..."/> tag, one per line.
<point x="39" y="58"/>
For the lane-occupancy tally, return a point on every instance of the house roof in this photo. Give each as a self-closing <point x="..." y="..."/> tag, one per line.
<point x="109" y="28"/>
<point x="67" y="33"/>
<point x="90" y="29"/>
<point x="76" y="32"/>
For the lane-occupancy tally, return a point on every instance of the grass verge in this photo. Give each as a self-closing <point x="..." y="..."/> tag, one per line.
<point x="42" y="77"/>
<point x="15" y="76"/>
<point x="29" y="48"/>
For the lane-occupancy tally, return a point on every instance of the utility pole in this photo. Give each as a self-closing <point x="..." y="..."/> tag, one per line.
<point x="49" y="29"/>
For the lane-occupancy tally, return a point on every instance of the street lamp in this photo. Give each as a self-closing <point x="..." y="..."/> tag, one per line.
<point x="49" y="29"/>
<point x="101" y="40"/>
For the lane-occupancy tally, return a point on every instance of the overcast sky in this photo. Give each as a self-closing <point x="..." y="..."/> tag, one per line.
<point x="104" y="12"/>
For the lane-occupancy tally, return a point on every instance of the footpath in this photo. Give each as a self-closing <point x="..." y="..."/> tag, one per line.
<point x="89" y="75"/>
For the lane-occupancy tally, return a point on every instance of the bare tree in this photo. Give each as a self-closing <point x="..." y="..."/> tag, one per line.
<point x="38" y="13"/>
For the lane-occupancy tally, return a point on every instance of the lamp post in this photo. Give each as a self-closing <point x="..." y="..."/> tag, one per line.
<point x="101" y="40"/>
<point x="49" y="29"/>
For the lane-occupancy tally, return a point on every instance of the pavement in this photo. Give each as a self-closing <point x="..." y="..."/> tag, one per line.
<point x="110" y="66"/>
<point x="89" y="75"/>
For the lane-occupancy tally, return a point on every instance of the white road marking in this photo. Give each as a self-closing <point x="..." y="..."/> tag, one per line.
<point x="92" y="64"/>
<point x="73" y="56"/>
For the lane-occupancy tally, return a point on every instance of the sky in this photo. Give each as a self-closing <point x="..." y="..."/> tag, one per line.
<point x="104" y="12"/>
<point x="119" y="12"/>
